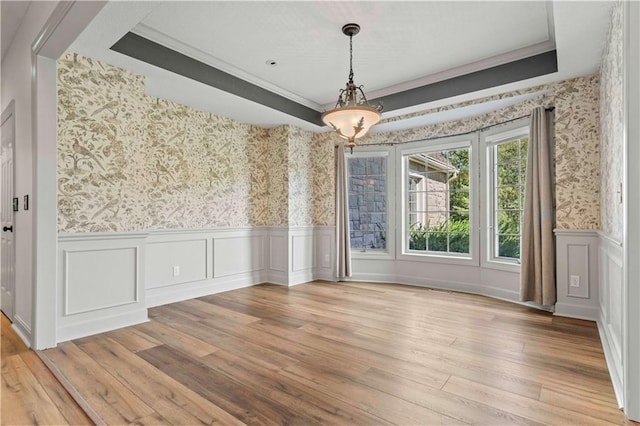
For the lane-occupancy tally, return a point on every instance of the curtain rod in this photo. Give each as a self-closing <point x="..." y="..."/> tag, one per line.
<point x="549" y="109"/>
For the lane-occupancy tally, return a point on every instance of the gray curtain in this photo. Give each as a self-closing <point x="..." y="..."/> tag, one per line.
<point x="343" y="246"/>
<point x="538" y="266"/>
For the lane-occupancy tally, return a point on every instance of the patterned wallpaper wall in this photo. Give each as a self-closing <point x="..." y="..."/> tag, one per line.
<point x="127" y="161"/>
<point x="323" y="162"/>
<point x="277" y="177"/>
<point x="576" y="139"/>
<point x="612" y="126"/>
<point x="577" y="154"/>
<point x="101" y="123"/>
<point x="130" y="162"/>
<point x="300" y="177"/>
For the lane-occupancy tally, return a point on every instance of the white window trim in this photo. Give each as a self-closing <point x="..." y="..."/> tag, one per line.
<point x="378" y="151"/>
<point x="488" y="139"/>
<point x="445" y="143"/>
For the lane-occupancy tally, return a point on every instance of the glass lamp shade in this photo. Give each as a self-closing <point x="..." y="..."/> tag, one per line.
<point x="353" y="121"/>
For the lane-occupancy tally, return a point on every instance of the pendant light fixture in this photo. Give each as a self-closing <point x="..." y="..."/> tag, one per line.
<point x="352" y="116"/>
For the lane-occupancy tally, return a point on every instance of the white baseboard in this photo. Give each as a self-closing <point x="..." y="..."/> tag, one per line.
<point x="300" y="277"/>
<point x="324" y="274"/>
<point x="292" y="279"/>
<point x="568" y="310"/>
<point x="101" y="325"/>
<point x="278" y="277"/>
<point x="176" y="293"/>
<point x="496" y="293"/>
<point x="616" y="380"/>
<point x="373" y="278"/>
<point x="22" y="330"/>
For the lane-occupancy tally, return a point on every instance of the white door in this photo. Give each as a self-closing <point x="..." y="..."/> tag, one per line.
<point x="7" y="248"/>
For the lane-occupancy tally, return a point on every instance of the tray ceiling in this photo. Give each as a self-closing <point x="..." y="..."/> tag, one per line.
<point x="402" y="46"/>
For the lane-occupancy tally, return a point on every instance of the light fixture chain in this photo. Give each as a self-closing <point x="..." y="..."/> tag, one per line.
<point x="351" y="59"/>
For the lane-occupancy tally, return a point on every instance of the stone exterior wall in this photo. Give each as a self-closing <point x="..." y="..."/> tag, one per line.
<point x="368" y="202"/>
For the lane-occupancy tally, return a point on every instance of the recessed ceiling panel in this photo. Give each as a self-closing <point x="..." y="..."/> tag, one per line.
<point x="412" y="56"/>
<point x="399" y="41"/>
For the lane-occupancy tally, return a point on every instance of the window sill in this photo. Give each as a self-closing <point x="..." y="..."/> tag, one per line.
<point x="502" y="265"/>
<point x="434" y="258"/>
<point x="370" y="254"/>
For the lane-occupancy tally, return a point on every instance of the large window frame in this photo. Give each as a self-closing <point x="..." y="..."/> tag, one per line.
<point x="388" y="152"/>
<point x="469" y="141"/>
<point x="482" y="197"/>
<point x="489" y="140"/>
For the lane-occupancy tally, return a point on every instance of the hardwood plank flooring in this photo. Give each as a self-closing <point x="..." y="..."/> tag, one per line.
<point x="30" y="394"/>
<point x="344" y="353"/>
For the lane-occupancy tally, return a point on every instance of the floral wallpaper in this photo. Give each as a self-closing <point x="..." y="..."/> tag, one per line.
<point x="300" y="177"/>
<point x="128" y="162"/>
<point x="471" y="124"/>
<point x="576" y="142"/>
<point x="277" y="176"/>
<point x="323" y="163"/>
<point x="101" y="127"/>
<point x="577" y="154"/>
<point x="612" y="127"/>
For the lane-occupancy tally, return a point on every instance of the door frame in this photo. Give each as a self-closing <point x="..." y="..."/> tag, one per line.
<point x="64" y="25"/>
<point x="631" y="245"/>
<point x="10" y="113"/>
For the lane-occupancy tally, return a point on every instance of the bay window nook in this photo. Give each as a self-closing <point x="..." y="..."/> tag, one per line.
<point x="452" y="205"/>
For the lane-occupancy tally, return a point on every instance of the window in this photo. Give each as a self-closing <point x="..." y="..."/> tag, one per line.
<point x="368" y="201"/>
<point x="438" y="201"/>
<point x="455" y="211"/>
<point x="507" y="156"/>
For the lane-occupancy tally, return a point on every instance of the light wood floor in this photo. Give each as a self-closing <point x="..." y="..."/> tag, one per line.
<point x="347" y="353"/>
<point x="30" y="394"/>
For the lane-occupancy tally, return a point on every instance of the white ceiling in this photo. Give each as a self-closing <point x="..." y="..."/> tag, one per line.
<point x="11" y="13"/>
<point x="399" y="42"/>
<point x="402" y="45"/>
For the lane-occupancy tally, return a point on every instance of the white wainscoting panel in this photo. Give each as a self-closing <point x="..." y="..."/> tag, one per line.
<point x="325" y="252"/>
<point x="577" y="256"/>
<point x="189" y="257"/>
<point x="99" y="279"/>
<point x="611" y="309"/>
<point x="303" y="250"/>
<point x="301" y="256"/>
<point x="235" y="255"/>
<point x="210" y="261"/>
<point x="579" y="262"/>
<point x="278" y="252"/>
<point x="108" y="280"/>
<point x="100" y="283"/>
